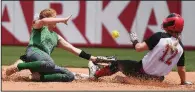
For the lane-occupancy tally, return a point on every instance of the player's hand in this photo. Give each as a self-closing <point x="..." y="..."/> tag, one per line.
<point x="105" y="59"/>
<point x="36" y="17"/>
<point x="133" y="36"/>
<point x="66" y="19"/>
<point x="186" y="83"/>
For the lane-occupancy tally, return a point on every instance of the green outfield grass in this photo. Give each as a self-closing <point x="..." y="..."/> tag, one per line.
<point x="64" y="58"/>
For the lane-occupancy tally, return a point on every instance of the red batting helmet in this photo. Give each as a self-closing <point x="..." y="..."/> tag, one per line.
<point x="174" y="22"/>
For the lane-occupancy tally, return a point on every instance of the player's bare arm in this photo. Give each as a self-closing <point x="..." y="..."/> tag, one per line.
<point x="47" y="21"/>
<point x="142" y="46"/>
<point x="67" y="46"/>
<point x="182" y="73"/>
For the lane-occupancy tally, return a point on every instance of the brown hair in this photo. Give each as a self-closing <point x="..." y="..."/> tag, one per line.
<point x="47" y="13"/>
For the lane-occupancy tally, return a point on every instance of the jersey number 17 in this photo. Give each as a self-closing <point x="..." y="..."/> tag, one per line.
<point x="168" y="50"/>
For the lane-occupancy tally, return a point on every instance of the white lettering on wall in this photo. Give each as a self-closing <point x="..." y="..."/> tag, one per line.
<point x="96" y="17"/>
<point x="93" y="29"/>
<point x="140" y="23"/>
<point x="189" y="23"/>
<point x="17" y="23"/>
<point x="109" y="18"/>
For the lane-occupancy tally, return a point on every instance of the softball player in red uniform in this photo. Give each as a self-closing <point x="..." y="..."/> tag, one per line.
<point x="165" y="51"/>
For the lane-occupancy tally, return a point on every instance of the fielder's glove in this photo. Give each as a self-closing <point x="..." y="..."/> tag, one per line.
<point x="133" y="38"/>
<point x="186" y="83"/>
<point x="105" y="59"/>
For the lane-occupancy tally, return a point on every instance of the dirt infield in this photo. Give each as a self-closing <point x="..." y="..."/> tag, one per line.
<point x="104" y="84"/>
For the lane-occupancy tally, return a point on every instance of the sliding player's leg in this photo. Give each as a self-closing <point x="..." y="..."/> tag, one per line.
<point x="125" y="66"/>
<point x="95" y="72"/>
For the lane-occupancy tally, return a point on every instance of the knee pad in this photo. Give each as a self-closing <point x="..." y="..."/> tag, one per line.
<point x="68" y="77"/>
<point x="71" y="77"/>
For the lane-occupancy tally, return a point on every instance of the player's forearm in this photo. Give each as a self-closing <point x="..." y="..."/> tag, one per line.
<point x="80" y="53"/>
<point x="182" y="73"/>
<point x="139" y="47"/>
<point x="52" y="20"/>
<point x="67" y="46"/>
<point x="45" y="21"/>
<point x="74" y="50"/>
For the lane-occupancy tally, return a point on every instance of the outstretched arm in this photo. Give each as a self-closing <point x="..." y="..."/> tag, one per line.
<point x="76" y="51"/>
<point x="45" y="21"/>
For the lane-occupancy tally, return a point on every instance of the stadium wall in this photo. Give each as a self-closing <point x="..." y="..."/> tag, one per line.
<point x="93" y="21"/>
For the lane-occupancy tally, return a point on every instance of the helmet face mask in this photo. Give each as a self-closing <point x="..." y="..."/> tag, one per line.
<point x="169" y="24"/>
<point x="174" y="22"/>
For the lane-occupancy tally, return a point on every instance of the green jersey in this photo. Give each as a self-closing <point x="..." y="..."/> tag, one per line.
<point x="43" y="39"/>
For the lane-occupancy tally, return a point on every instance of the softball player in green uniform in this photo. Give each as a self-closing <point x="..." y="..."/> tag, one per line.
<point x="42" y="42"/>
